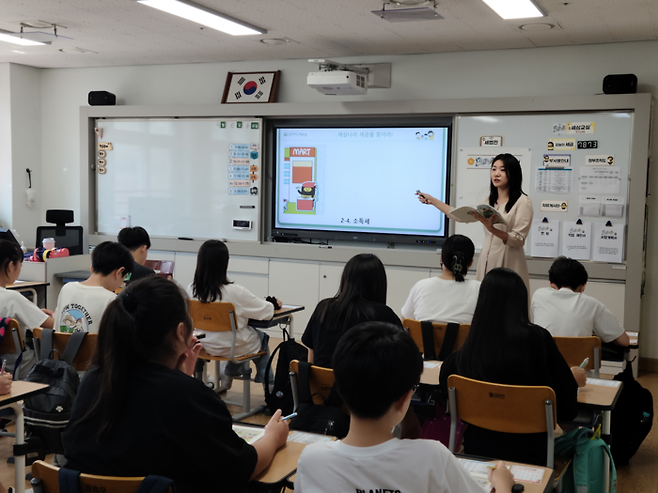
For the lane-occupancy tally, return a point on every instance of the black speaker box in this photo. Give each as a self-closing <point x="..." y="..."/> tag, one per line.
<point x="620" y="84"/>
<point x="59" y="216"/>
<point x="101" y="98"/>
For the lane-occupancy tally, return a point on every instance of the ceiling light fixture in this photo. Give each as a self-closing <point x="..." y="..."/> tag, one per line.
<point x="15" y="38"/>
<point x="202" y="15"/>
<point x="515" y="9"/>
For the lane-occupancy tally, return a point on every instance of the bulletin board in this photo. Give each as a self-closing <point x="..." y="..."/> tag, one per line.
<point x="575" y="170"/>
<point x="181" y="178"/>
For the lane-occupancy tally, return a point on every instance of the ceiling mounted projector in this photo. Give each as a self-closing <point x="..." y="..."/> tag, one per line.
<point x="338" y="82"/>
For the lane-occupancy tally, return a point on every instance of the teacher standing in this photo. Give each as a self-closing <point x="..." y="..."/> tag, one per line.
<point x="503" y="245"/>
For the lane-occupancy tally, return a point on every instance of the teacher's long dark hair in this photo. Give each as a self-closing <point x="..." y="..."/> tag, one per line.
<point x="514" y="181"/>
<point x="138" y="326"/>
<point x="493" y="349"/>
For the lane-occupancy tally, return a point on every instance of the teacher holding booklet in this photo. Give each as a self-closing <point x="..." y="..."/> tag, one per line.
<point x="503" y="240"/>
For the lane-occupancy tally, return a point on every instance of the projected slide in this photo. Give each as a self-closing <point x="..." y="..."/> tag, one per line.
<point x="360" y="179"/>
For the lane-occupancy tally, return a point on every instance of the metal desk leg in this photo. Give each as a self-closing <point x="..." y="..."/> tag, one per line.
<point x="19" y="463"/>
<point x="605" y="434"/>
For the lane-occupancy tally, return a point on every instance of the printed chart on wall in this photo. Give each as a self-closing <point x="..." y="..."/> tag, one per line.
<point x="575" y="172"/>
<point x="190" y="178"/>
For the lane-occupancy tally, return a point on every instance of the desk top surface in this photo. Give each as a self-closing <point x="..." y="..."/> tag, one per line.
<point x="20" y="390"/>
<point x="535" y="479"/>
<point x="27" y="284"/>
<point x="284" y="312"/>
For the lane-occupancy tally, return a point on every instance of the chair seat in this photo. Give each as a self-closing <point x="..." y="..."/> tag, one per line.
<point x="203" y="354"/>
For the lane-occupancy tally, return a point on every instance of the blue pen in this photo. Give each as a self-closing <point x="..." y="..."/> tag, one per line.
<point x="583" y="364"/>
<point x="290" y="416"/>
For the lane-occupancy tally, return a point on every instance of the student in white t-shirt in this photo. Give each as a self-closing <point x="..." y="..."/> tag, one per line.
<point x="14" y="305"/>
<point x="564" y="310"/>
<point x="81" y="305"/>
<point x="448" y="297"/>
<point x="377" y="394"/>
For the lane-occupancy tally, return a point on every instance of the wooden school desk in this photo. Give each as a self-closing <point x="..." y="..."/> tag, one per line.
<point x="38" y="290"/>
<point x="282" y="315"/>
<point x="20" y="390"/>
<point x="530" y="485"/>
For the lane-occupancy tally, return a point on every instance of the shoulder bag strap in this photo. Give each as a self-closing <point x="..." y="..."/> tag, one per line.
<point x="427" y="329"/>
<point x="68" y="481"/>
<point x="46" y="343"/>
<point x="154" y="484"/>
<point x="73" y="346"/>
<point x="452" y="331"/>
<point x="268" y="367"/>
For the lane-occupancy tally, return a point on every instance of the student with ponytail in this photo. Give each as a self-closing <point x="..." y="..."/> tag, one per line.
<point x="138" y="410"/>
<point x="448" y="297"/>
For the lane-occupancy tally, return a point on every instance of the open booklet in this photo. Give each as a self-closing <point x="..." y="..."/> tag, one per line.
<point x="463" y="213"/>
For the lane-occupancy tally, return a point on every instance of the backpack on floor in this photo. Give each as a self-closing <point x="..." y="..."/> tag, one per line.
<point x="585" y="474"/>
<point x="632" y="417"/>
<point x="280" y="397"/>
<point x="47" y="414"/>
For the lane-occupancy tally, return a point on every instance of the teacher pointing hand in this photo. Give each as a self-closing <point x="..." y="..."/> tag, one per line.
<point x="503" y="244"/>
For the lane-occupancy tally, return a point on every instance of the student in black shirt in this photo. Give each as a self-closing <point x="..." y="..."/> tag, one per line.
<point x="138" y="241"/>
<point x="361" y="298"/>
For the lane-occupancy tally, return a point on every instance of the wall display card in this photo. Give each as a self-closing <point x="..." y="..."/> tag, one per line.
<point x="600" y="160"/>
<point x="588" y="144"/>
<point x="561" y="145"/>
<point x="554" y="206"/>
<point x="553" y="180"/>
<point x="613" y="206"/>
<point x="599" y="179"/>
<point x="580" y="128"/>
<point x="589" y="205"/>
<point x="480" y="160"/>
<point x="608" y="243"/>
<point x="557" y="160"/>
<point x="491" y="140"/>
<point x="544" y="238"/>
<point x="576" y="240"/>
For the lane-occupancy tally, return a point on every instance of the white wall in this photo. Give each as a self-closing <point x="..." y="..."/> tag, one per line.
<point x="5" y="147"/>
<point x="556" y="71"/>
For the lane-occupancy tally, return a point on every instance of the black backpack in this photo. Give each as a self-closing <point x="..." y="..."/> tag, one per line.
<point x="632" y="417"/>
<point x="280" y="397"/>
<point x="47" y="414"/>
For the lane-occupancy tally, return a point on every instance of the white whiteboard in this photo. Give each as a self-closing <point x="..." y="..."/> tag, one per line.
<point x="187" y="178"/>
<point x="529" y="135"/>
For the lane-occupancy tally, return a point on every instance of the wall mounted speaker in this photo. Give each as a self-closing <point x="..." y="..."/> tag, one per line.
<point x="620" y="84"/>
<point x="101" y="98"/>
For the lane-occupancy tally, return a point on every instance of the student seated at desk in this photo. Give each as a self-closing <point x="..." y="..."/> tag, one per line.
<point x="361" y="298"/>
<point x="377" y="394"/>
<point x="564" y="310"/>
<point x="138" y="410"/>
<point x="448" y="297"/>
<point x="211" y="284"/>
<point x="14" y="305"/>
<point x="138" y="241"/>
<point x="504" y="347"/>
<point x="80" y="305"/>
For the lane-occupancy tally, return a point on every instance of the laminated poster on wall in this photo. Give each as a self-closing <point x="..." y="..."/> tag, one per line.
<point x="608" y="242"/>
<point x="599" y="179"/>
<point x="589" y="205"/>
<point x="613" y="206"/>
<point x="544" y="238"/>
<point x="577" y="240"/>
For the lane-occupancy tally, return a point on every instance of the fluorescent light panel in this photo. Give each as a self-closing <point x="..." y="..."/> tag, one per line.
<point x="7" y="38"/>
<point x="202" y="15"/>
<point x="514" y="9"/>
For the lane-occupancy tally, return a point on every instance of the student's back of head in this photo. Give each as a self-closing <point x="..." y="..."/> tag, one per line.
<point x="134" y="238"/>
<point x="211" y="271"/>
<point x="10" y="252"/>
<point x="567" y="273"/>
<point x="375" y="363"/>
<point x="138" y="326"/>
<point x="457" y="255"/>
<point x="110" y="256"/>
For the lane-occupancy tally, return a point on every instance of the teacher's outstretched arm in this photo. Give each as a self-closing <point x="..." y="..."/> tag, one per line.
<point x="426" y="198"/>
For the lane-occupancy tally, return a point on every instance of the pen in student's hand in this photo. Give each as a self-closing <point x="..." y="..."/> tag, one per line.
<point x="4" y="365"/>
<point x="583" y="364"/>
<point x="290" y="416"/>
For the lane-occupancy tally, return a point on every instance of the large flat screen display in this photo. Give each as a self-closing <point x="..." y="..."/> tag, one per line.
<point x="359" y="184"/>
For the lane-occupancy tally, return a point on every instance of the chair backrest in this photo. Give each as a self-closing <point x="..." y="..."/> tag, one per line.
<point x="576" y="349"/>
<point x="49" y="475"/>
<point x="12" y="338"/>
<point x="413" y="327"/>
<point x="72" y="238"/>
<point x="218" y="316"/>
<point x="503" y="408"/>
<point x="321" y="380"/>
<point x="61" y="339"/>
<point x="162" y="268"/>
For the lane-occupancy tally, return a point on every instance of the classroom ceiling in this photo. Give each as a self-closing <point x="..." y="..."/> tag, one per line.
<point x="122" y="32"/>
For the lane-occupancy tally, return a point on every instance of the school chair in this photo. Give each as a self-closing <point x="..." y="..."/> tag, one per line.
<point x="12" y="342"/>
<point x="321" y="381"/>
<point x="219" y="316"/>
<point x="447" y="338"/>
<point x="49" y="476"/>
<point x="162" y="268"/>
<point x="576" y="349"/>
<point x="82" y="360"/>
<point x="502" y="408"/>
